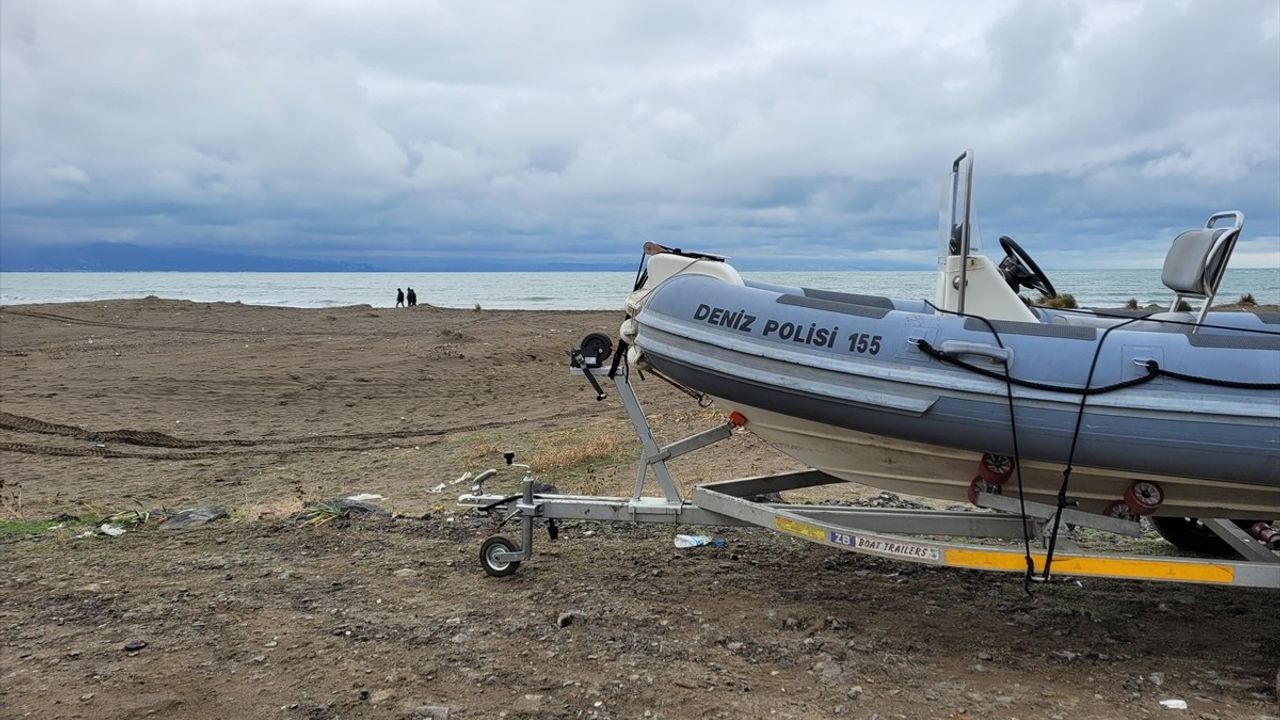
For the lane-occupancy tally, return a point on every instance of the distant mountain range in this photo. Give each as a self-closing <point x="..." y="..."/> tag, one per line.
<point x="125" y="257"/>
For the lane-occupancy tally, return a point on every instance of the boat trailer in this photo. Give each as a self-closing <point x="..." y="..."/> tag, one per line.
<point x="929" y="537"/>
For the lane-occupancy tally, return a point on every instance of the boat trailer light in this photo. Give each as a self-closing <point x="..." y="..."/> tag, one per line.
<point x="737" y="419"/>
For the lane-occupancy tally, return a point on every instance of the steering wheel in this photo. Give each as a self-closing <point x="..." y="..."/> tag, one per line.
<point x="1019" y="270"/>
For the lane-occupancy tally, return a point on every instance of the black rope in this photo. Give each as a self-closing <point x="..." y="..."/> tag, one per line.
<point x="1154" y="367"/>
<point x="641" y="275"/>
<point x="1075" y="440"/>
<point x="1153" y="371"/>
<point x="1163" y="321"/>
<point x="699" y="396"/>
<point x="1086" y="390"/>
<point x="1022" y="499"/>
<point x="1029" y="575"/>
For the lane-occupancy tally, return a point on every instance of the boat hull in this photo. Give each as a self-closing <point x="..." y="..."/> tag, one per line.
<point x="863" y="402"/>
<point x="944" y="473"/>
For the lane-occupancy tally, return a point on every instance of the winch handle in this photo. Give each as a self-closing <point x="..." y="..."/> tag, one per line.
<point x="600" y="393"/>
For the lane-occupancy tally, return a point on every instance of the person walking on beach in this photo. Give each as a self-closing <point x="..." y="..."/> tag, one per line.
<point x="399" y="297"/>
<point x="413" y="297"/>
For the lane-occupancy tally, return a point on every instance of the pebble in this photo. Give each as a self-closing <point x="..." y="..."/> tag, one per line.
<point x="854" y="692"/>
<point x="405" y="572"/>
<point x="829" y="669"/>
<point x="134" y="645"/>
<point x="791" y="623"/>
<point x="565" y="619"/>
<point x="432" y="712"/>
<point x="86" y="697"/>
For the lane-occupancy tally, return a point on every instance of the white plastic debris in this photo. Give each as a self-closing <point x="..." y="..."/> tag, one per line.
<point x="688" y="541"/>
<point x="1174" y="704"/>
<point x="364" y="497"/>
<point x="438" y="488"/>
<point x="112" y="530"/>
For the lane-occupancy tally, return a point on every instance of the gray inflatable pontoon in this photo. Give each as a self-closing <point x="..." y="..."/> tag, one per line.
<point x="1174" y="414"/>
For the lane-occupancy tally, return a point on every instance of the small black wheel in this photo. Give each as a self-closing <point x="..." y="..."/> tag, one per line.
<point x="489" y="550"/>
<point x="1190" y="534"/>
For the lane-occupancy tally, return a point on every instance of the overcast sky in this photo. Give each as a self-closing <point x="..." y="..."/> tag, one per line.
<point x="813" y="134"/>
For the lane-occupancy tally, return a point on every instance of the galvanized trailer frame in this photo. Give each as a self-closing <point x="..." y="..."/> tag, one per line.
<point x="919" y="536"/>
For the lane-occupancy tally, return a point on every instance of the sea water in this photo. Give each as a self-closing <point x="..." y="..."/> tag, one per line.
<point x="552" y="290"/>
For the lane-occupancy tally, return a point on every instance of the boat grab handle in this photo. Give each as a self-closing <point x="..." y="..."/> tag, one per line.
<point x="962" y="347"/>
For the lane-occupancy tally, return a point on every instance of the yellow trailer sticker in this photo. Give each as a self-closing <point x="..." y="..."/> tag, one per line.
<point x="802" y="529"/>
<point x="1131" y="568"/>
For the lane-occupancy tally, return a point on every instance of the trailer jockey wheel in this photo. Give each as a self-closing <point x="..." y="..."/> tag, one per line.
<point x="489" y="550"/>
<point x="995" y="469"/>
<point x="1121" y="510"/>
<point x="978" y="486"/>
<point x="1144" y="497"/>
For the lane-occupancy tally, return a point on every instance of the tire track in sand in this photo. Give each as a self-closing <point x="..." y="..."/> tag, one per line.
<point x="102" y="452"/>
<point x="197" y="449"/>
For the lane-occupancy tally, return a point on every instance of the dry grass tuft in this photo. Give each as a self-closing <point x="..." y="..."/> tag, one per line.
<point x="1065" y="300"/>
<point x="574" y="448"/>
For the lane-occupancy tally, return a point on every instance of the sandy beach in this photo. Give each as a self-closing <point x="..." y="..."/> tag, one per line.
<point x="163" y="405"/>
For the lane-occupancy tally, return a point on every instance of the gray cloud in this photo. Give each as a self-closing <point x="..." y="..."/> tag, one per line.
<point x="814" y="130"/>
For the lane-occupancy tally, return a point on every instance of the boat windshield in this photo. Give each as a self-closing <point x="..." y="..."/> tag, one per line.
<point x="956" y="218"/>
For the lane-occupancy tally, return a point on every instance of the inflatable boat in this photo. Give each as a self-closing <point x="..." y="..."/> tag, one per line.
<point x="1171" y="413"/>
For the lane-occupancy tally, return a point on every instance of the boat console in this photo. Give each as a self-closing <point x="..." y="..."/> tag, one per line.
<point x="970" y="284"/>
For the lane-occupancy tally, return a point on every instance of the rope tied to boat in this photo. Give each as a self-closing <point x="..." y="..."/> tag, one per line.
<point x="1152" y="367"/>
<point x="1153" y="371"/>
<point x="1155" y="368"/>
<point x="931" y="351"/>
